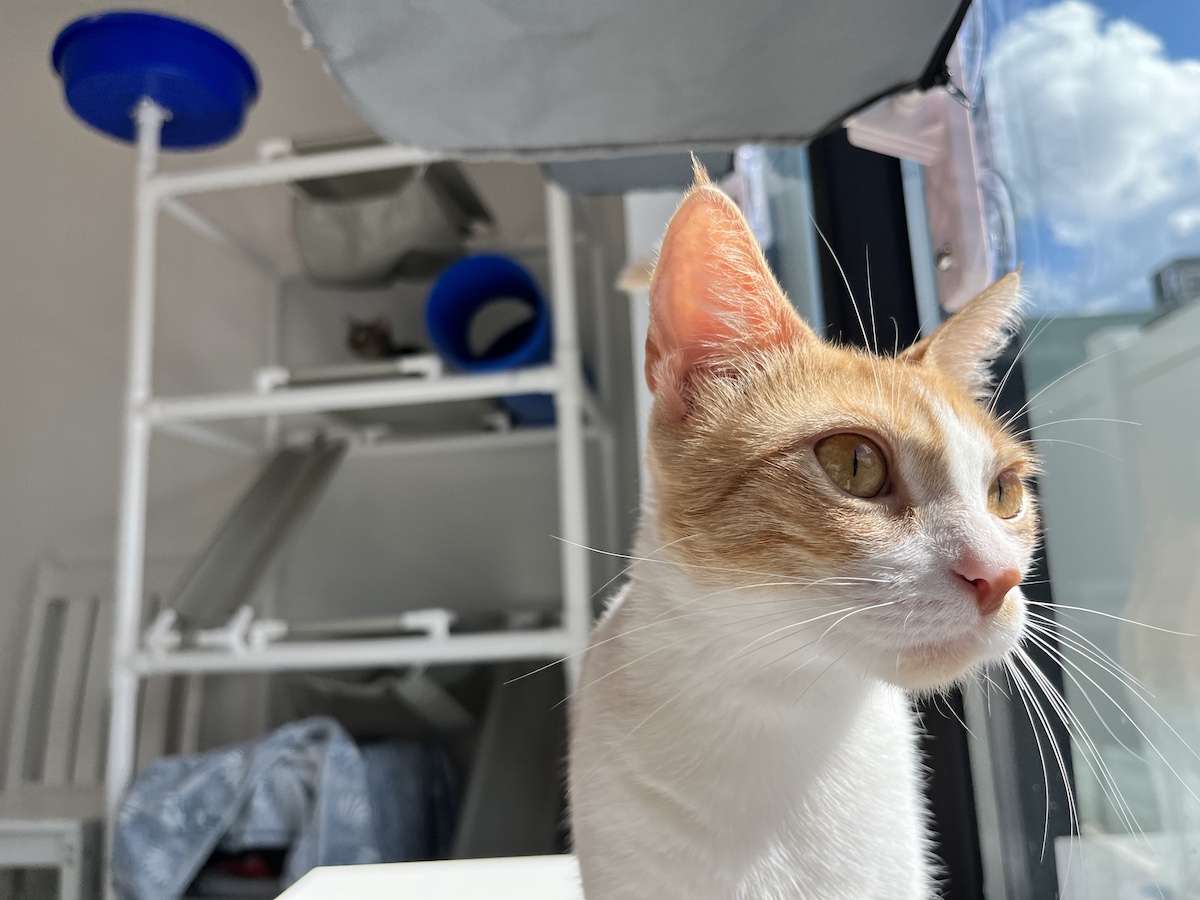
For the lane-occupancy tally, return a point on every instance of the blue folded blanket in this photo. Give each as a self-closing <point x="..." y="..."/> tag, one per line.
<point x="306" y="787"/>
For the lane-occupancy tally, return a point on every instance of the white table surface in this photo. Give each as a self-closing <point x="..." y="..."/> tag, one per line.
<point x="514" y="878"/>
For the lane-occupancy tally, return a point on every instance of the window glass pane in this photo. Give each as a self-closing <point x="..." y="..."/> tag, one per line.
<point x="1089" y="115"/>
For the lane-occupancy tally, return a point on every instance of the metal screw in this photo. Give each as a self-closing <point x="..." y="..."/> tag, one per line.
<point x="944" y="260"/>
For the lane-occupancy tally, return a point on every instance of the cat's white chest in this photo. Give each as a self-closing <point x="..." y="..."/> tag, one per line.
<point x="854" y="828"/>
<point x="718" y="795"/>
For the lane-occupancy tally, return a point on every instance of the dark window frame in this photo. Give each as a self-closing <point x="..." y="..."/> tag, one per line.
<point x="858" y="200"/>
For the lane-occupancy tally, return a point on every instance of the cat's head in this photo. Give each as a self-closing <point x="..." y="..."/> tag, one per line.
<point x="878" y="486"/>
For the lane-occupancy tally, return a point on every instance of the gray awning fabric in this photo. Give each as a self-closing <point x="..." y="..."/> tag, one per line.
<point x="539" y="76"/>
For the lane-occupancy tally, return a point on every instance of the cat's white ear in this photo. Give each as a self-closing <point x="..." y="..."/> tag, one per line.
<point x="965" y="345"/>
<point x="713" y="298"/>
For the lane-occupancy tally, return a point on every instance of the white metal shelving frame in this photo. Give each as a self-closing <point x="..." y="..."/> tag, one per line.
<point x="157" y="192"/>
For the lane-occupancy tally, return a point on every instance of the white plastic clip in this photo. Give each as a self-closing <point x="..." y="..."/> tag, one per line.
<point x="162" y="636"/>
<point x="232" y="636"/>
<point x="425" y="365"/>
<point x="270" y="378"/>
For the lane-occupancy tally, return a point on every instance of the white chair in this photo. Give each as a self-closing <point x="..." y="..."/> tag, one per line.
<point x="51" y="803"/>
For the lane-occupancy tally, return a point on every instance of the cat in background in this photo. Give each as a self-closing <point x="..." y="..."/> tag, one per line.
<point x="824" y="533"/>
<point x="372" y="339"/>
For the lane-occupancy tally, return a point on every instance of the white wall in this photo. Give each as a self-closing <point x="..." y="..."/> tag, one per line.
<point x="64" y="249"/>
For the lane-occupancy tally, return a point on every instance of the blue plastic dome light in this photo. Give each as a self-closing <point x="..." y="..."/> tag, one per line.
<point x="109" y="62"/>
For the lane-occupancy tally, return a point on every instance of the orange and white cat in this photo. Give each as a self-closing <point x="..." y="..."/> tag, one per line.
<point x="825" y="531"/>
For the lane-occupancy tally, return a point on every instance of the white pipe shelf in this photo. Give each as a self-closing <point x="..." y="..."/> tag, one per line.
<point x="516" y="439"/>
<point x="579" y="417"/>
<point x="361" y="395"/>
<point x="361" y="653"/>
<point x="346" y="162"/>
<point x="292" y="168"/>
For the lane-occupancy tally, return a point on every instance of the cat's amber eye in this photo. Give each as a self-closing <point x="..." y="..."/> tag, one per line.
<point x="854" y="463"/>
<point x="1006" y="496"/>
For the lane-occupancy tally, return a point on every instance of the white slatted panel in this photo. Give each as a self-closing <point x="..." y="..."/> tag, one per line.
<point x="66" y="698"/>
<point x="155" y="720"/>
<point x="74" y="602"/>
<point x="189" y="724"/>
<point x="93" y="711"/>
<point x="26" y="681"/>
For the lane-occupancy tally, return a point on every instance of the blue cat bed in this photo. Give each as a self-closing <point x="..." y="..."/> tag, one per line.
<point x="110" y="62"/>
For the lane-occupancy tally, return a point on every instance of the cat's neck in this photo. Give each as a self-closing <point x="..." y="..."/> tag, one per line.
<point x="715" y="726"/>
<point x="741" y="671"/>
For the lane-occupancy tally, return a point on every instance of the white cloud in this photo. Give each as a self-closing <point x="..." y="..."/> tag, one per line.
<point x="1097" y="132"/>
<point x="1185" y="221"/>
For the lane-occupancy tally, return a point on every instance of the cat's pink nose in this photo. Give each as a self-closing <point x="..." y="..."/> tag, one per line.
<point x="991" y="585"/>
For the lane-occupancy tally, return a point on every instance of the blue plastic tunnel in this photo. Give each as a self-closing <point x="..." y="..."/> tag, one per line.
<point x="463" y="291"/>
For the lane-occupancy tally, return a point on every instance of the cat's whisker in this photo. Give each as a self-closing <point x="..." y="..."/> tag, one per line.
<point x="1033" y="428"/>
<point x="903" y="626"/>
<point x="874" y="345"/>
<point x="845" y="280"/>
<point x="717" y="671"/>
<point x="753" y="621"/>
<point x="992" y="683"/>
<point x="1154" y="711"/>
<point x="726" y="569"/>
<point x="1074" y="727"/>
<point x="654" y="712"/>
<point x="808" y="687"/>
<point x="1096" y="612"/>
<point x="1029" y="701"/>
<point x="958" y="718"/>
<point x="1088" y="751"/>
<point x="1059" y="656"/>
<point x="1064" y="634"/>
<point x="1034" y="333"/>
<point x="986" y="689"/>
<point x="1045" y="773"/>
<point x="1012" y="417"/>
<point x="895" y="353"/>
<point x="1150" y="706"/>
<point x="850" y="611"/>
<point x="1065" y="644"/>
<point x="775" y="660"/>
<point x="854" y="304"/>
<point x="665" y="619"/>
<point x="871" y="304"/>
<point x="1077" y="444"/>
<point x="790" y="627"/>
<point x="1104" y="777"/>
<point x="626" y="569"/>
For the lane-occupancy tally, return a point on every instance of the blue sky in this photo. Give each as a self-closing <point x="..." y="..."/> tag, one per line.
<point x="1175" y="22"/>
<point x="1095" y="114"/>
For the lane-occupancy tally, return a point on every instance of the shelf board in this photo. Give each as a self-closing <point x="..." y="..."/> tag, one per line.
<point x="359" y="395"/>
<point x="363" y="653"/>
<point x="466" y="442"/>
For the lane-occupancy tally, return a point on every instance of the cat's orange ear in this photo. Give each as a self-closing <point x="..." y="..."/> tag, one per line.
<point x="965" y="345"/>
<point x="713" y="299"/>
